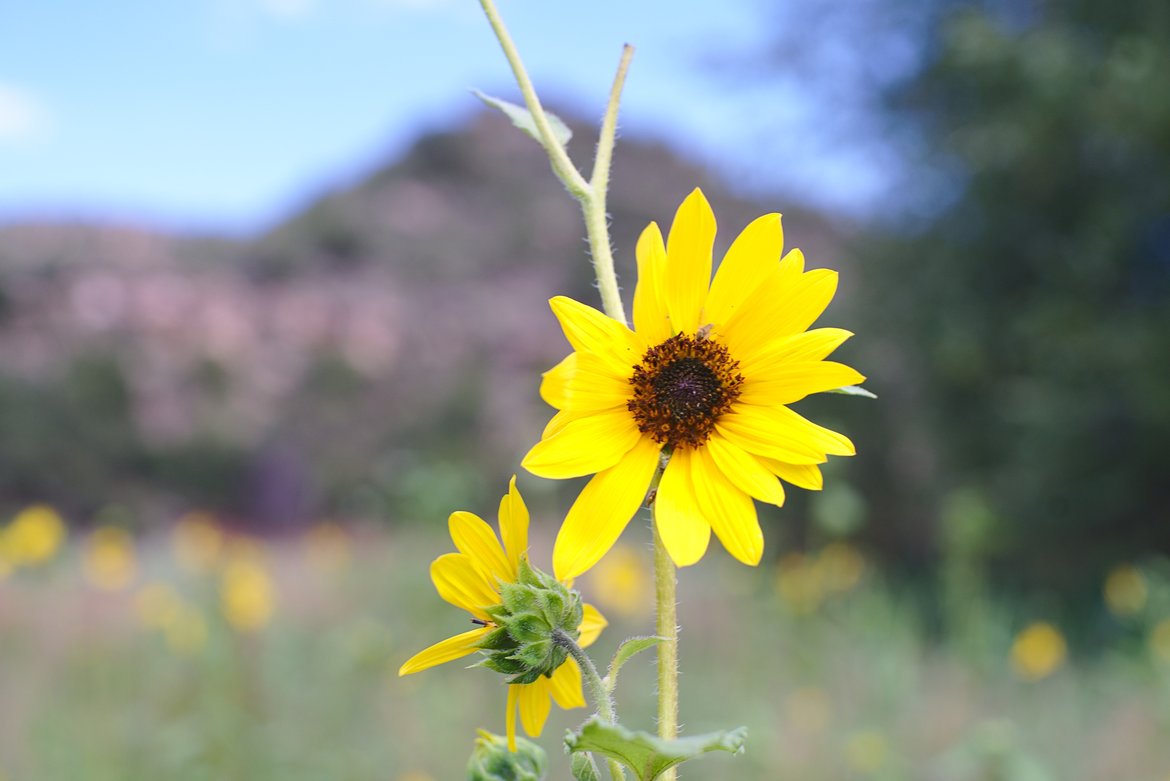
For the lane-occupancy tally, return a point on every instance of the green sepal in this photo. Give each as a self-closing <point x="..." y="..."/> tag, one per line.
<point x="497" y="613"/>
<point x="646" y="755"/>
<point x="503" y="664"/>
<point x="528" y="628"/>
<point x="519" y="598"/>
<point x="584" y="768"/>
<point x="496" y="640"/>
<point x="555" y="607"/>
<point x="522" y="118"/>
<point x="854" y="390"/>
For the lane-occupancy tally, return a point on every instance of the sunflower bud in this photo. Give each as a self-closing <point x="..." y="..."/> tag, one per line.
<point x="492" y="761"/>
<point x="531" y="610"/>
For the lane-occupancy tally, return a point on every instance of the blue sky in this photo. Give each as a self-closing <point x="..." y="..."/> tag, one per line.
<point x="224" y="114"/>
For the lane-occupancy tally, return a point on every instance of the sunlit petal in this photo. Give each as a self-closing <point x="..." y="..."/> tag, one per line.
<point x="730" y="511"/>
<point x="473" y="537"/>
<point x="445" y="651"/>
<point x="753" y="255"/>
<point x="591" y="625"/>
<point x="590" y="331"/>
<point x="788" y="383"/>
<point x="513" y="517"/>
<point x="565" y="685"/>
<point x="602" y="510"/>
<point x="586" y="444"/>
<point x="459" y="582"/>
<point x="680" y="522"/>
<point x="535" y="700"/>
<point x="651" y="318"/>
<point x="745" y="470"/>
<point x="688" y="261"/>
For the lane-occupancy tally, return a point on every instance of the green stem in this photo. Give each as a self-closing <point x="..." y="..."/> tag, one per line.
<point x="665" y="584"/>
<point x="596" y="218"/>
<point x="602" y="699"/>
<point x="562" y="166"/>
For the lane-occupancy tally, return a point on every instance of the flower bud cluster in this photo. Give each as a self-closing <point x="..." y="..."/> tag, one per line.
<point x="522" y="644"/>
<point x="492" y="761"/>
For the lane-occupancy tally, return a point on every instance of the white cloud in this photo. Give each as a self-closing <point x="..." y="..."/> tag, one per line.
<point x="22" y="116"/>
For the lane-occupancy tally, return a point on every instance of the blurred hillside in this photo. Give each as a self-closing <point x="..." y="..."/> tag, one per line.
<point x="376" y="354"/>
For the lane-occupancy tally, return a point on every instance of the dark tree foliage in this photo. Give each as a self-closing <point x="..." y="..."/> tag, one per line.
<point x="1019" y="303"/>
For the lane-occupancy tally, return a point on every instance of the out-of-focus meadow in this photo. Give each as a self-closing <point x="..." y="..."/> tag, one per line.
<point x="199" y="653"/>
<point x="226" y="462"/>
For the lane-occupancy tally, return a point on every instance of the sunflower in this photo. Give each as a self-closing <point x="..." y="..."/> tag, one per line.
<point x="470" y="579"/>
<point x="704" y="379"/>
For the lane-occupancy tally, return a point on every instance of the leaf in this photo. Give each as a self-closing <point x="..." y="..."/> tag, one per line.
<point x="646" y="755"/>
<point x="583" y="768"/>
<point x="522" y="118"/>
<point x="627" y="650"/>
<point x="854" y="390"/>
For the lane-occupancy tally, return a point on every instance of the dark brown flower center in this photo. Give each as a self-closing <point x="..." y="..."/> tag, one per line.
<point x="681" y="387"/>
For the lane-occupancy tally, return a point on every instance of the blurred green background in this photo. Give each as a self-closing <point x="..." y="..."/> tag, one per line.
<point x="980" y="594"/>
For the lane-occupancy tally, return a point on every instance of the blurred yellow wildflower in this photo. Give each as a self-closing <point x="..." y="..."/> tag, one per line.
<point x="841" y="567"/>
<point x="809" y="710"/>
<point x="186" y="632"/>
<point x="246" y="594"/>
<point x="621" y="583"/>
<point x="5" y="569"/>
<point x="414" y="775"/>
<point x="1125" y="591"/>
<point x="798" y="582"/>
<point x="867" y="751"/>
<point x="160" y="607"/>
<point x="156" y="604"/>
<point x="327" y="547"/>
<point x="1159" y="641"/>
<point x="109" y="561"/>
<point x="34" y="536"/>
<point x="197" y="542"/>
<point x="1038" y="651"/>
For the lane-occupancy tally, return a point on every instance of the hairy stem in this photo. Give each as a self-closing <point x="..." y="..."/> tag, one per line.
<point x="665" y="584"/>
<point x="602" y="699"/>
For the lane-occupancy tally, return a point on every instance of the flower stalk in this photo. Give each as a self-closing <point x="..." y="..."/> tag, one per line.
<point x="602" y="698"/>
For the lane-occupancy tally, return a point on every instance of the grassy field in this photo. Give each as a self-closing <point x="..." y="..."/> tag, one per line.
<point x="195" y="657"/>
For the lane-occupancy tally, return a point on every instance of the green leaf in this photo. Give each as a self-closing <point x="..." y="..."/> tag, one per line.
<point x="646" y="755"/>
<point x="854" y="390"/>
<point x="583" y="768"/>
<point x="522" y="118"/>
<point x="627" y="650"/>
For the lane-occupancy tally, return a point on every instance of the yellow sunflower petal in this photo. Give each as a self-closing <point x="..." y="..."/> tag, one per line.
<point x="591" y="625"/>
<point x="510" y="714"/>
<point x="459" y="582"/>
<point x="688" y="261"/>
<point x="473" y="537"/>
<point x="783" y="305"/>
<point x="788" y="383"/>
<point x="753" y="255"/>
<point x="591" y="331"/>
<point x="651" y="319"/>
<point x="745" y="471"/>
<point x="587" y="444"/>
<point x="535" y="703"/>
<point x="807" y="476"/>
<point x="684" y="530"/>
<point x="558" y="422"/>
<point x="565" y="685"/>
<point x="445" y="651"/>
<point x="814" y="345"/>
<point x="602" y="510"/>
<point x="513" y="517"/>
<point x="593" y="386"/>
<point x="554" y="383"/>
<point x="766" y="431"/>
<point x="731" y="512"/>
